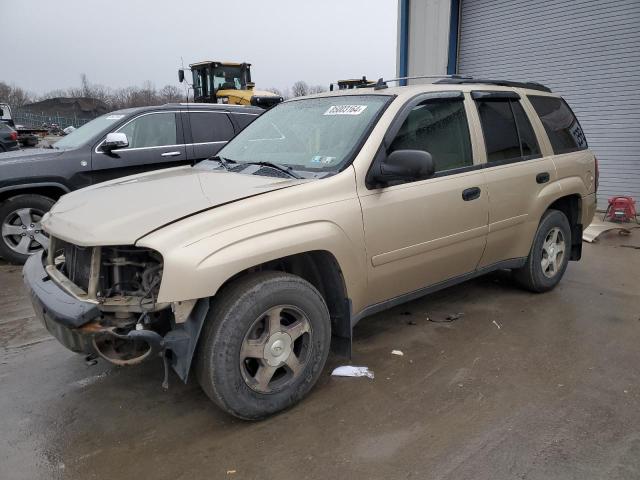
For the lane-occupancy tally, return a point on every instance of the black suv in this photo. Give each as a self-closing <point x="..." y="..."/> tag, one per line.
<point x="120" y="143"/>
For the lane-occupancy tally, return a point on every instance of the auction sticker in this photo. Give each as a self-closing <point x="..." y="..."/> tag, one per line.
<point x="345" y="110"/>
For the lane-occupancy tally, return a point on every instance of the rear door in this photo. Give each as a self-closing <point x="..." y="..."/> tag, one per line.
<point x="156" y="141"/>
<point x="206" y="132"/>
<point x="516" y="173"/>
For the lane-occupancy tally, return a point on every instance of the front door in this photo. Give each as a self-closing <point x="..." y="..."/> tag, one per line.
<point x="155" y="141"/>
<point x="430" y="230"/>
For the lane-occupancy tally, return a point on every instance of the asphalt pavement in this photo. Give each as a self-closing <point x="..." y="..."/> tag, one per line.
<point x="520" y="386"/>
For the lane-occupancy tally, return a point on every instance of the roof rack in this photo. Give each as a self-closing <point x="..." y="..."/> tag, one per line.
<point x="381" y="83"/>
<point x="502" y="83"/>
<point x="464" y="79"/>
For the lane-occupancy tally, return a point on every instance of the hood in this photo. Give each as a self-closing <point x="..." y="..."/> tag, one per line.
<point x="35" y="154"/>
<point x="122" y="211"/>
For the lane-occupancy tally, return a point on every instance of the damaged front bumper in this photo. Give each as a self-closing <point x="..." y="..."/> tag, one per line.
<point x="82" y="326"/>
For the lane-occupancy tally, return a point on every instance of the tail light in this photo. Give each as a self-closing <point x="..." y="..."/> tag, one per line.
<point x="13" y="136"/>
<point x="597" y="175"/>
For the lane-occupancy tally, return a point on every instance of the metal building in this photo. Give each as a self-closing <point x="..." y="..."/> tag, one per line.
<point x="586" y="50"/>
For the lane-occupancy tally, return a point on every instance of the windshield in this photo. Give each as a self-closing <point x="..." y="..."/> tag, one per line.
<point x="227" y="78"/>
<point x="316" y="134"/>
<point x="88" y="131"/>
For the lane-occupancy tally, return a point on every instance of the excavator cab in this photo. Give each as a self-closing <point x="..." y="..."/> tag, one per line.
<point x="227" y="82"/>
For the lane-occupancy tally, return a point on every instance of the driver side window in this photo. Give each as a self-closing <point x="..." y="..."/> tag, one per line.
<point x="439" y="127"/>
<point x="153" y="130"/>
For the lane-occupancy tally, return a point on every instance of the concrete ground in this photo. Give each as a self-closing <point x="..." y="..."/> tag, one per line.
<point x="521" y="386"/>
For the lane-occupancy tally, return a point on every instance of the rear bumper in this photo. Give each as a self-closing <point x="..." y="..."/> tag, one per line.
<point x="11" y="146"/>
<point x="589" y="204"/>
<point x="61" y="314"/>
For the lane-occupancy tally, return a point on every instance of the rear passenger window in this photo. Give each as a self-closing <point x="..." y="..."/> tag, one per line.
<point x="508" y="134"/>
<point x="528" y="140"/>
<point x="210" y="127"/>
<point x="440" y="128"/>
<point x="243" y="119"/>
<point x="561" y="125"/>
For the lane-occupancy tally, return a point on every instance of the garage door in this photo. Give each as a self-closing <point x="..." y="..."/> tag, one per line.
<point x="587" y="51"/>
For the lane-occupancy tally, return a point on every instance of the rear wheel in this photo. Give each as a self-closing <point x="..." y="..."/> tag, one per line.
<point x="21" y="233"/>
<point x="549" y="254"/>
<point x="264" y="344"/>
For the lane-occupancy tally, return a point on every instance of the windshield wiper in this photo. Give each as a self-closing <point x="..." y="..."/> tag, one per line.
<point x="283" y="168"/>
<point x="222" y="161"/>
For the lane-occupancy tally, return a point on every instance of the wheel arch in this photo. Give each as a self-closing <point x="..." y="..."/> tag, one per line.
<point x="52" y="190"/>
<point x="571" y="206"/>
<point x="321" y="269"/>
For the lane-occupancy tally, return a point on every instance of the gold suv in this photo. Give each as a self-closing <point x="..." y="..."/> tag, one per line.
<point x="324" y="210"/>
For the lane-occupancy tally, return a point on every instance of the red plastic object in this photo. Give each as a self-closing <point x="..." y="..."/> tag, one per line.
<point x="621" y="209"/>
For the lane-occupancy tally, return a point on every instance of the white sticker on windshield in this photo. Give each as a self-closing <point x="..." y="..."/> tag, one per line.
<point x="115" y="117"/>
<point x="345" y="110"/>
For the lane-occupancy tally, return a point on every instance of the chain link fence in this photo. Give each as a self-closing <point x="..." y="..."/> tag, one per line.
<point x="29" y="119"/>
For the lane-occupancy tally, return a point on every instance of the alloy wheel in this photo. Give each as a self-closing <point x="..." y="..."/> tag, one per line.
<point x="276" y="349"/>
<point x="553" y="251"/>
<point x="22" y="233"/>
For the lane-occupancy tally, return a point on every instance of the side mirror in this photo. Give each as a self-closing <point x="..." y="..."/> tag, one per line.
<point x="115" y="140"/>
<point x="181" y="75"/>
<point x="405" y="165"/>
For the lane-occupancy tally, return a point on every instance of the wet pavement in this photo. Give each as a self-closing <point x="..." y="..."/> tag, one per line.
<point x="520" y="386"/>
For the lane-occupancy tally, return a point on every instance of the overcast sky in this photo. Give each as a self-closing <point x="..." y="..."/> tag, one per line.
<point x="117" y="43"/>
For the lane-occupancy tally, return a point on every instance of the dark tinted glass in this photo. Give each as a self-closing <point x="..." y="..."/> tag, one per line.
<point x="439" y="128"/>
<point x="243" y="119"/>
<point x="210" y="127"/>
<point x="499" y="129"/>
<point x="528" y="140"/>
<point x="562" y="127"/>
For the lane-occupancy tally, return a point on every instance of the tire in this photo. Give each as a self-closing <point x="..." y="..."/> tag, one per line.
<point x="548" y="258"/>
<point x="18" y="243"/>
<point x="2" y="148"/>
<point x="236" y="333"/>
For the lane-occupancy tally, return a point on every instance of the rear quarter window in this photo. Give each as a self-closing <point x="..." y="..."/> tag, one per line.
<point x="207" y="127"/>
<point x="561" y="125"/>
<point x="243" y="119"/>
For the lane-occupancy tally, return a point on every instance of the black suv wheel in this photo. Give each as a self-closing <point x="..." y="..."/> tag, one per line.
<point x="21" y="234"/>
<point x="264" y="344"/>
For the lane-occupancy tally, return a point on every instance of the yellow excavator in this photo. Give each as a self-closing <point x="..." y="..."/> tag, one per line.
<point x="227" y="82"/>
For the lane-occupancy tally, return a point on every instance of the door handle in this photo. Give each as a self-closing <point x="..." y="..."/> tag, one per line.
<point x="542" y="177"/>
<point x="471" y="194"/>
<point x="170" y="154"/>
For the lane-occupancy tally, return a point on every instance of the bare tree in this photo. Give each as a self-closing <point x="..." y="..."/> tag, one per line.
<point x="14" y="96"/>
<point x="316" y="89"/>
<point x="170" y="94"/>
<point x="274" y="90"/>
<point x="86" y="88"/>
<point x="300" y="89"/>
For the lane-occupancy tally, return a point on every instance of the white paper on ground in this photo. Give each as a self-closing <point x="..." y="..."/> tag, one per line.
<point x="349" y="371"/>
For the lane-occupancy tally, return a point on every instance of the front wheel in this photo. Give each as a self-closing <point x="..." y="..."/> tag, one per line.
<point x="549" y="255"/>
<point x="264" y="344"/>
<point x="22" y="234"/>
